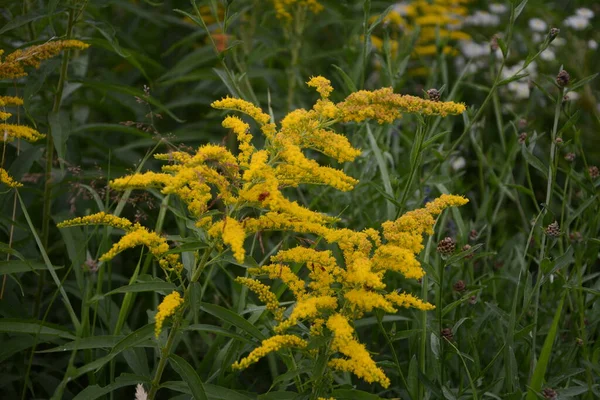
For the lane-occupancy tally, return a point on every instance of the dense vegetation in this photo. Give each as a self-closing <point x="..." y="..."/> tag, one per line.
<point x="300" y="199"/>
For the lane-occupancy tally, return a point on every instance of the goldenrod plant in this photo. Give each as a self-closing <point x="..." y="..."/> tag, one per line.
<point x="329" y="293"/>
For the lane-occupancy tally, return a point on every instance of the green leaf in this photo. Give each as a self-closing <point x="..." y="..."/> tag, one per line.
<point x="189" y="375"/>
<point x="105" y="86"/>
<point x="92" y="342"/>
<point x="353" y="394"/>
<point x="217" y="330"/>
<point x="535" y="385"/>
<point x="15" y="325"/>
<point x="144" y="287"/>
<point x="232" y="318"/>
<point x="17" y="266"/>
<point x="583" y="81"/>
<point x="534" y="161"/>
<point x="350" y="86"/>
<point x="519" y="10"/>
<point x="21" y="20"/>
<point x="95" y="391"/>
<point x="512" y="79"/>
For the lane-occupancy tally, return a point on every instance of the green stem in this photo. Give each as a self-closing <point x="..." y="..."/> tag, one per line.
<point x="550" y="184"/>
<point x="164" y="354"/>
<point x="49" y="158"/>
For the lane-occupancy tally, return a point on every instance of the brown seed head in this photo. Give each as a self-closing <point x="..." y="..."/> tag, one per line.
<point x="465" y="248"/>
<point x="563" y="78"/>
<point x="575" y="237"/>
<point x="433" y="94"/>
<point x="570" y="157"/>
<point x="522" y="138"/>
<point x="553" y="33"/>
<point x="593" y="171"/>
<point x="473" y="300"/>
<point x="459" y="286"/>
<point x="446" y="246"/>
<point x="558" y="141"/>
<point x="553" y="230"/>
<point x="549" y="393"/>
<point x="447" y="334"/>
<point x="473" y="235"/>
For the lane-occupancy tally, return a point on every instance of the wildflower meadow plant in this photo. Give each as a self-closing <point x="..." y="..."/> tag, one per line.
<point x="329" y="293"/>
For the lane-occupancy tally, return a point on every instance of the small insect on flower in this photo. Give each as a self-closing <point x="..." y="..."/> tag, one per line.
<point x="263" y="196"/>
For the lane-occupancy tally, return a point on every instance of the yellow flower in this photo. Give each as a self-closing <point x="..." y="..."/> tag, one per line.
<point x="358" y="360"/>
<point x="8" y="180"/>
<point x="100" y="218"/>
<point x="322" y="85"/>
<point x="166" y="308"/>
<point x="307" y="307"/>
<point x="9" y="132"/>
<point x="274" y="343"/>
<point x="285" y="8"/>
<point x="10" y="101"/>
<point x="13" y="65"/>
<point x="242" y="131"/>
<point x="407" y="300"/>
<point x="264" y="294"/>
<point x="233" y="234"/>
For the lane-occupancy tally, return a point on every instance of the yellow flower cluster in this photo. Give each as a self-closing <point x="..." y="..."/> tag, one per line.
<point x="8" y="180"/>
<point x="166" y="308"/>
<point x="13" y="65"/>
<point x="329" y="292"/>
<point x="433" y="18"/>
<point x="135" y="235"/>
<point x="286" y="8"/>
<point x="9" y="132"/>
<point x="274" y="343"/>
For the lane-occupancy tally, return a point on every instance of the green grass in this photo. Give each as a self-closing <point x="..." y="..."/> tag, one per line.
<point x="527" y="319"/>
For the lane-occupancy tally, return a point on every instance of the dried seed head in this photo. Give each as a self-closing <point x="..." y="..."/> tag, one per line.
<point x="553" y="34"/>
<point x="494" y="43"/>
<point x="558" y="141"/>
<point x="459" y="286"/>
<point x="579" y="342"/>
<point x="553" y="230"/>
<point x="465" y="248"/>
<point x="473" y="235"/>
<point x="549" y="393"/>
<point x="522" y="124"/>
<point x="433" y="94"/>
<point x="593" y="171"/>
<point x="447" y="334"/>
<point x="570" y="157"/>
<point x="446" y="246"/>
<point x="563" y="78"/>
<point x="473" y="300"/>
<point x="522" y="138"/>
<point x="575" y="237"/>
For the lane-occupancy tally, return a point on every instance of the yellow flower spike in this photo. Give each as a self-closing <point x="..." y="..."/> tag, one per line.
<point x="100" y="218"/>
<point x="8" y="180"/>
<point x="166" y="308"/>
<point x="385" y="106"/>
<point x="10" y="101"/>
<point x="270" y="345"/>
<point x="388" y="257"/>
<point x="242" y="131"/>
<point x="307" y="307"/>
<point x="8" y="132"/>
<point x="233" y="234"/>
<point x="285" y="274"/>
<point x="243" y="106"/>
<point x="359" y="362"/>
<point x="141" y="181"/>
<point x="285" y="8"/>
<point x="322" y="85"/>
<point x="264" y="294"/>
<point x="13" y="65"/>
<point x="365" y="301"/>
<point x="407" y="300"/>
<point x="444" y="201"/>
<point x="4" y="115"/>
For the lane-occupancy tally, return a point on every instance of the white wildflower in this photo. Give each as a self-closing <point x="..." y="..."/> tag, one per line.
<point x="520" y="90"/>
<point x="482" y="18"/>
<point x="559" y="42"/>
<point x="458" y="163"/>
<point x="472" y="49"/>
<point x="536" y="37"/>
<point x="547" y="55"/>
<point x="585" y="13"/>
<point x="498" y="8"/>
<point x="577" y="22"/>
<point x="572" y="96"/>
<point x="538" y="25"/>
<point x="592" y="44"/>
